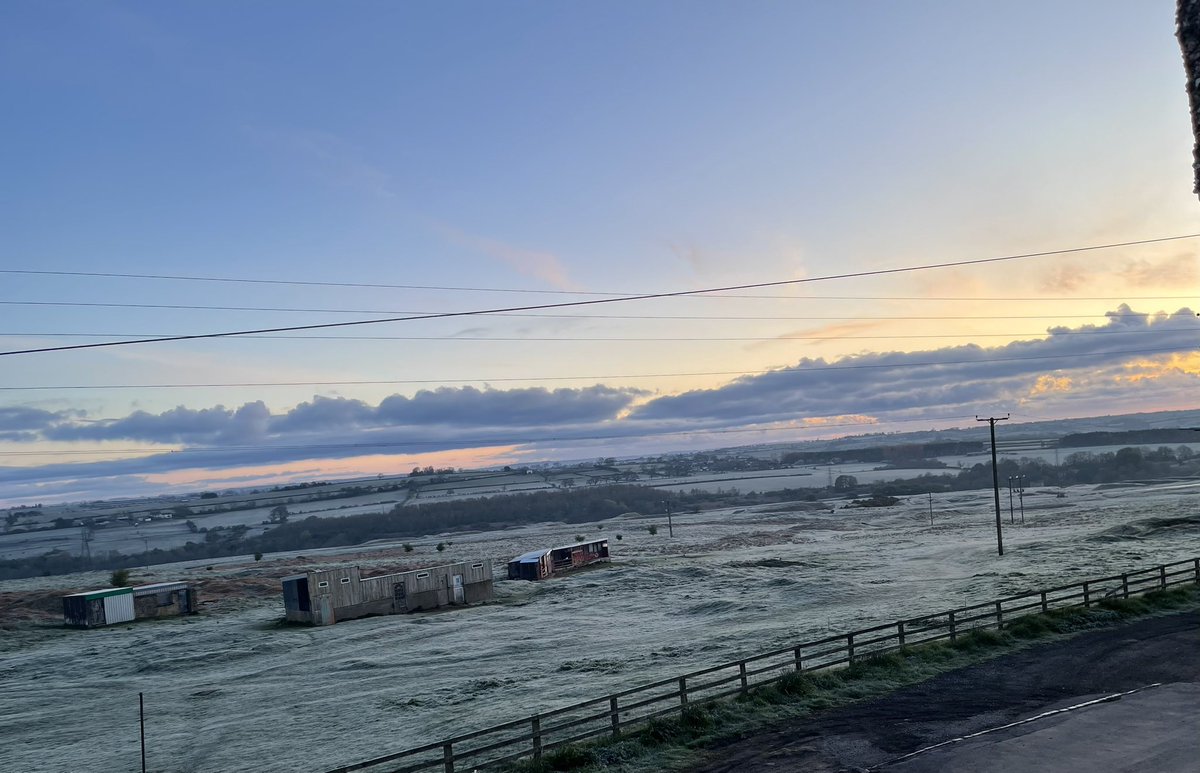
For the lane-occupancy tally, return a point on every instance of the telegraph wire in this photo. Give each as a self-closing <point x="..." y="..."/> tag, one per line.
<point x="378" y="285"/>
<point x="578" y="339"/>
<point x="505" y="313"/>
<point x="764" y="373"/>
<point x="607" y="300"/>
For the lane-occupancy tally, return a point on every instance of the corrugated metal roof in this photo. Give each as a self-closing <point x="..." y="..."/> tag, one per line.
<point x="531" y="557"/>
<point x="581" y="544"/>
<point x="102" y="593"/>
<point x="158" y="587"/>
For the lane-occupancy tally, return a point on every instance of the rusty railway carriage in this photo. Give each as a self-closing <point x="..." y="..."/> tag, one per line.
<point x="95" y="608"/>
<point x="540" y="564"/>
<point x="329" y="596"/>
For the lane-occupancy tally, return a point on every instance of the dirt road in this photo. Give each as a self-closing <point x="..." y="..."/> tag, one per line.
<point x="1049" y="676"/>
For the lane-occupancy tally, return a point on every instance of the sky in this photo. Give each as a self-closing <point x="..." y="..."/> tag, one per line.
<point x="309" y="163"/>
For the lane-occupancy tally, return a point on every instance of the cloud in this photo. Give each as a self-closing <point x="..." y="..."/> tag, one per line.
<point x="1064" y="279"/>
<point x="178" y="425"/>
<point x="330" y="158"/>
<point x="950" y="379"/>
<point x="25" y="418"/>
<point x="1050" y="383"/>
<point x="1091" y="368"/>
<point x="451" y="409"/>
<point x="1178" y="271"/>
<point x="538" y="264"/>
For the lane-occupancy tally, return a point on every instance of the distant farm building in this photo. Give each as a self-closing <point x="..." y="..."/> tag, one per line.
<point x="326" y="597"/>
<point x="95" y="608"/>
<point x="540" y="564"/>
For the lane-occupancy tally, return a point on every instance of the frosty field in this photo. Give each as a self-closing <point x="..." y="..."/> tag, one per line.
<point x="230" y="690"/>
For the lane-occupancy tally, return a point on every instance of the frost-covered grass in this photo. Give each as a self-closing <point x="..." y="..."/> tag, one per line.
<point x="679" y="743"/>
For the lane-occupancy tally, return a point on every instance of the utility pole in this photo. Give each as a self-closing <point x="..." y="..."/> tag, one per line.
<point x="670" y="527"/>
<point x="991" y="420"/>
<point x="1011" y="517"/>
<point x="1021" y="493"/>
<point x="142" y="728"/>
<point x="930" y="508"/>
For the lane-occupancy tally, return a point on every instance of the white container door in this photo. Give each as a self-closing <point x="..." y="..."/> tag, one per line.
<point x="118" y="609"/>
<point x="459" y="597"/>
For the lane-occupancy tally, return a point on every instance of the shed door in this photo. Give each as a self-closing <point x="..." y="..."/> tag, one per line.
<point x="399" y="597"/>
<point x="458" y="589"/>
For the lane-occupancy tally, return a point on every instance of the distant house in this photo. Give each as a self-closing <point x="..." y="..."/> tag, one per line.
<point x="92" y="609"/>
<point x="540" y="564"/>
<point x="326" y="597"/>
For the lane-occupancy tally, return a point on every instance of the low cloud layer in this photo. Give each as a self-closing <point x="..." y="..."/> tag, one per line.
<point x="1076" y="369"/>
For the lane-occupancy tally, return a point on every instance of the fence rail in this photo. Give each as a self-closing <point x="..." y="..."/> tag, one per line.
<point x="613" y="714"/>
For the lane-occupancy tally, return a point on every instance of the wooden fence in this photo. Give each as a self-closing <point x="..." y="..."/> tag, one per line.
<point x="614" y="714"/>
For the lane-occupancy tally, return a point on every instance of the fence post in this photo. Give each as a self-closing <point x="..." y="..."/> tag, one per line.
<point x="1125" y="585"/>
<point x="682" y="691"/>
<point x="799" y="660"/>
<point x="615" y="715"/>
<point x="1197" y="562"/>
<point x="900" y="633"/>
<point x="999" y="616"/>
<point x="742" y="673"/>
<point x="953" y="630"/>
<point x="1162" y="574"/>
<point x="448" y="757"/>
<point x="536" y="723"/>
<point x="1045" y="606"/>
<point x="850" y="648"/>
<point x="1087" y="596"/>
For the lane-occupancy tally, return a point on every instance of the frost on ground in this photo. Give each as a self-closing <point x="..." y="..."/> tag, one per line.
<point x="232" y="690"/>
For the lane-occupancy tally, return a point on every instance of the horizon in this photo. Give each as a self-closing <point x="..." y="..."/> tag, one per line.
<point x="903" y="437"/>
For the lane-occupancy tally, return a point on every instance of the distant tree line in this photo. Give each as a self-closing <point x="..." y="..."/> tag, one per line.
<point x="897" y="454"/>
<point x="603" y="501"/>
<point x="574" y="506"/>
<point x="1141" y="437"/>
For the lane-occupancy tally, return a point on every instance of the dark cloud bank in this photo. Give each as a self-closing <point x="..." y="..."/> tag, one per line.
<point x="961" y="379"/>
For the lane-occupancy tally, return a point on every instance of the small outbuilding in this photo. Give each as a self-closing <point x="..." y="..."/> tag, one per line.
<point x="540" y="564"/>
<point x="95" y="608"/>
<point x="328" y="596"/>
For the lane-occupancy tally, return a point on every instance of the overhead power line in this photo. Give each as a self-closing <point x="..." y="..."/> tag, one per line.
<point x="585" y="339"/>
<point x="597" y="301"/>
<point x="451" y="288"/>
<point x="798" y="370"/>
<point x="475" y="442"/>
<point x="504" y="313"/>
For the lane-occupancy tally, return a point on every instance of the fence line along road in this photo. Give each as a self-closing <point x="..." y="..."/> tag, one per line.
<point x="616" y="713"/>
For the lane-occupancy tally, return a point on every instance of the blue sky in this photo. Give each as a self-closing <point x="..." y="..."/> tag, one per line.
<point x="582" y="147"/>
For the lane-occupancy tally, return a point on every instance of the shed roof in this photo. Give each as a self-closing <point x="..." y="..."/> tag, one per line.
<point x="159" y="587"/>
<point x="531" y="557"/>
<point x="99" y="594"/>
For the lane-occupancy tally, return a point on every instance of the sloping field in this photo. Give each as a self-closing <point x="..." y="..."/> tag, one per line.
<point x="231" y="690"/>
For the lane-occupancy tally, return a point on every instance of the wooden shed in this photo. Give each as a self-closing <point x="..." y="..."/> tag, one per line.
<point x="540" y="564"/>
<point x="327" y="596"/>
